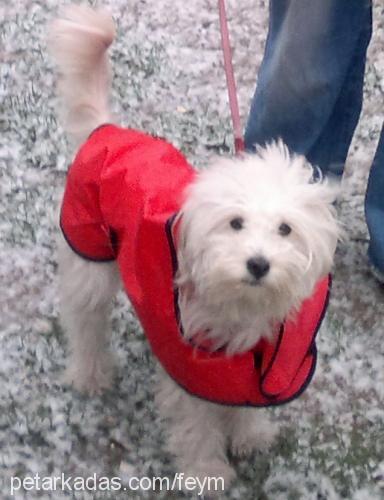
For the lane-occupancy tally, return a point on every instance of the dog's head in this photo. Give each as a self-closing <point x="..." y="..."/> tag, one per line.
<point x="258" y="228"/>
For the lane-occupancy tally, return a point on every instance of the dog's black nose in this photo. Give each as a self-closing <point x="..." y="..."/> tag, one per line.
<point x="258" y="267"/>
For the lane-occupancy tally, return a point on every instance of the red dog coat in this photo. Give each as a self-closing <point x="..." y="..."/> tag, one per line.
<point x="123" y="191"/>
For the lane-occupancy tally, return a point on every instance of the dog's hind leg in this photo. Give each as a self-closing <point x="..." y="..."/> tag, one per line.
<point x="86" y="291"/>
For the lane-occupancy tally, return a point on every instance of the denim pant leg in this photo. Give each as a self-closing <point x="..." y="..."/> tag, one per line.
<point x="310" y="48"/>
<point x="374" y="207"/>
<point x="331" y="149"/>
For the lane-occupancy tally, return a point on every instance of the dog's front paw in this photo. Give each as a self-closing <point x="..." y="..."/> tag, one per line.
<point x="260" y="435"/>
<point x="92" y="377"/>
<point x="210" y="477"/>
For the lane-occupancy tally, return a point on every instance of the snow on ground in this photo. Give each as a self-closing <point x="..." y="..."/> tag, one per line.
<point x="168" y="79"/>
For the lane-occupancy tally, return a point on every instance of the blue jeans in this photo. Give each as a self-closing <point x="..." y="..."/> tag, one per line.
<point x="310" y="89"/>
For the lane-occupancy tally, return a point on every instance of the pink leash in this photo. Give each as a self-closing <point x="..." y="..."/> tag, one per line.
<point x="231" y="83"/>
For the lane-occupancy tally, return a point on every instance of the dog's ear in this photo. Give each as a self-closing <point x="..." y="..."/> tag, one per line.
<point x="314" y="197"/>
<point x="313" y="187"/>
<point x="183" y="275"/>
<point x="323" y="230"/>
<point x="324" y="191"/>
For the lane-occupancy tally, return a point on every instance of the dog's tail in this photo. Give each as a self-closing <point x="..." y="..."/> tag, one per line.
<point x="79" y="40"/>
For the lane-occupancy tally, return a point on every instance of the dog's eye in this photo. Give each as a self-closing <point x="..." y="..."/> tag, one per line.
<point x="237" y="223"/>
<point x="284" y="229"/>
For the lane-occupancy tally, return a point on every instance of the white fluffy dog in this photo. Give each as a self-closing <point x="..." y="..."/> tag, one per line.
<point x="256" y="235"/>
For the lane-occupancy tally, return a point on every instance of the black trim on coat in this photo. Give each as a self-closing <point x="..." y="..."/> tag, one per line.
<point x="81" y="254"/>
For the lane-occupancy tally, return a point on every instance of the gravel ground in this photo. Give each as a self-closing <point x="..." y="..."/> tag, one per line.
<point x="169" y="80"/>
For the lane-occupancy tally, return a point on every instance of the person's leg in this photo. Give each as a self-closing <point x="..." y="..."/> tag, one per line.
<point x="331" y="148"/>
<point x="374" y="210"/>
<point x="311" y="49"/>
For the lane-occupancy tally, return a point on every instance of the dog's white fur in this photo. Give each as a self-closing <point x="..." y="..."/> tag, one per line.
<point x="218" y="294"/>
